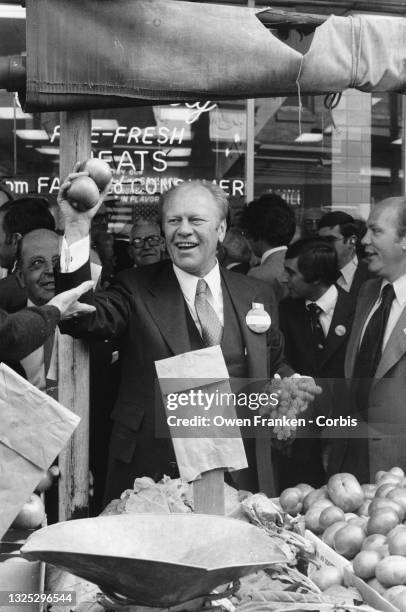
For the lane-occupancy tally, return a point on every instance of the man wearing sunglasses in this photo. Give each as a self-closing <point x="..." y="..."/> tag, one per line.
<point x="146" y="243"/>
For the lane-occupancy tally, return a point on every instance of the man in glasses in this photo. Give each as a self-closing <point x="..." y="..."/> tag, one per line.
<point x="146" y="243"/>
<point x="341" y="230"/>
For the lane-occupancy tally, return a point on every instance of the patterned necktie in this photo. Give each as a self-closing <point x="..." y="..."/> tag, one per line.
<point x="319" y="339"/>
<point x="212" y="330"/>
<point x="370" y="351"/>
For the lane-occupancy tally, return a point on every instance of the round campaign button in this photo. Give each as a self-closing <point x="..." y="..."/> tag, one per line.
<point x="257" y="319"/>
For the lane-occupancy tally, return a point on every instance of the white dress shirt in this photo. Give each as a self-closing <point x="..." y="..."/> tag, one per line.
<point x="347" y="274"/>
<point x="398" y="304"/>
<point x="327" y="302"/>
<point x="34" y="365"/>
<point x="188" y="284"/>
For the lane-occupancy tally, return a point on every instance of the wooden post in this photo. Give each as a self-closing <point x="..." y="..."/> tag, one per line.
<point x="208" y="493"/>
<point x="73" y="356"/>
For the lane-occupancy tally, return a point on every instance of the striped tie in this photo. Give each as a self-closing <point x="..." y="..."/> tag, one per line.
<point x="212" y="330"/>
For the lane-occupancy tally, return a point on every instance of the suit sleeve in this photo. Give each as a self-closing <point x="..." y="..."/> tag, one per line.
<point x="276" y="342"/>
<point x="113" y="307"/>
<point x="24" y="331"/>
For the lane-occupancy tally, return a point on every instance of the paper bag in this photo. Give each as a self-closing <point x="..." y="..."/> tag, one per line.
<point x="201" y="448"/>
<point x="33" y="430"/>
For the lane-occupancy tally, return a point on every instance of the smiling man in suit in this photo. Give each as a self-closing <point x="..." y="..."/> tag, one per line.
<point x="163" y="310"/>
<point x="316" y="322"/>
<point x="376" y="353"/>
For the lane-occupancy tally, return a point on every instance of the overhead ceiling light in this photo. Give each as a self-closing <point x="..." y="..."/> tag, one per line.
<point x="32" y="134"/>
<point x="7" y="112"/>
<point x="177" y="164"/>
<point x="179" y="152"/>
<point x="171" y="113"/>
<point x="105" y="125"/>
<point x="306" y="160"/>
<point x="12" y="11"/>
<point x="398" y="141"/>
<point x="48" y="150"/>
<point x="308" y="137"/>
<point x="375" y="171"/>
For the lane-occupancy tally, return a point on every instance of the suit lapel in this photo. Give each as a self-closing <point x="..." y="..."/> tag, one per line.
<point x="395" y="347"/>
<point x="254" y="343"/>
<point x="364" y="306"/>
<point x="167" y="306"/>
<point x="342" y="315"/>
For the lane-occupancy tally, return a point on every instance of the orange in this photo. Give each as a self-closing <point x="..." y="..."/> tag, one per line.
<point x="397" y="541"/>
<point x="396" y="595"/>
<point x="330" y="515"/>
<point x="373" y="542"/>
<point x="380" y="503"/>
<point x="383" y="489"/>
<point x="365" y="562"/>
<point x="398" y="495"/>
<point x="348" y="540"/>
<point x="329" y="533"/>
<point x="291" y="501"/>
<point x="391" y="571"/>
<point x="382" y="521"/>
<point x="326" y="577"/>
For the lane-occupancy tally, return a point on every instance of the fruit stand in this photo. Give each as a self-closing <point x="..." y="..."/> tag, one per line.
<point x="151" y="552"/>
<point x="342" y="546"/>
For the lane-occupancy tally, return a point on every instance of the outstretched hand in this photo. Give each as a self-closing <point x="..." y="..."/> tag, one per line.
<point x="67" y="302"/>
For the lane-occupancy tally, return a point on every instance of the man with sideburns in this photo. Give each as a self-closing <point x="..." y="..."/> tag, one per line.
<point x="166" y="309"/>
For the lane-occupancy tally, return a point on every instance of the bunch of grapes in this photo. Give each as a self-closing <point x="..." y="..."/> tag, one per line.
<point x="294" y="395"/>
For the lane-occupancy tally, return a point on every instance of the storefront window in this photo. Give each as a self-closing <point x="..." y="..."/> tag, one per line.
<point x="318" y="159"/>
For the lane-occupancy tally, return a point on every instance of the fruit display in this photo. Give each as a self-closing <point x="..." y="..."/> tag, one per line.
<point x="365" y="524"/>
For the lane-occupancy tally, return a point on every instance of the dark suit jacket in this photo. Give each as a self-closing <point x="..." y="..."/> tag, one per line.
<point x="385" y="416"/>
<point x="361" y="275"/>
<point x="12" y="296"/>
<point x="145" y="308"/>
<point x="328" y="369"/>
<point x="295" y="325"/>
<point x="23" y="332"/>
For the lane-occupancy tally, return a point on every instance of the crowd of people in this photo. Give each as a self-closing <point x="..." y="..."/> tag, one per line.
<point x="335" y="291"/>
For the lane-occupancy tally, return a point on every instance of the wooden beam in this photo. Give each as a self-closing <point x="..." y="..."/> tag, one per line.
<point x="73" y="357"/>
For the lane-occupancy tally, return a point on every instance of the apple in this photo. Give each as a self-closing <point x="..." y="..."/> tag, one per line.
<point x="83" y="193"/>
<point x="98" y="170"/>
<point x="31" y="514"/>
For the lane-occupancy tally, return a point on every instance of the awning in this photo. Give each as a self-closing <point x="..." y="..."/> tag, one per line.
<point x="109" y="53"/>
